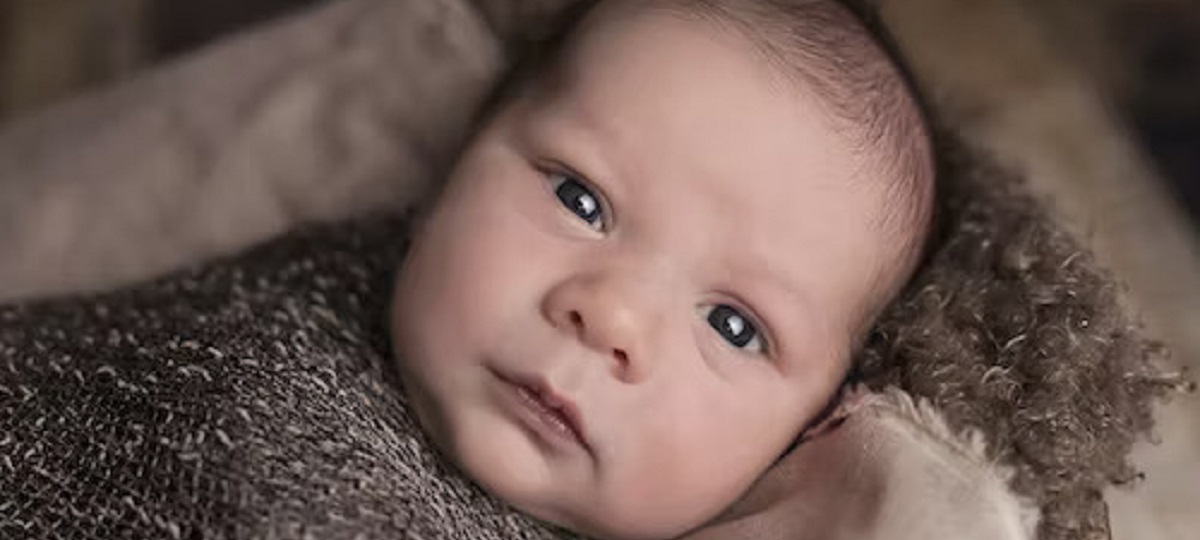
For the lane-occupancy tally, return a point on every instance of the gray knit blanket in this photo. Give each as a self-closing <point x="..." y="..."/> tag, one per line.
<point x="250" y="398"/>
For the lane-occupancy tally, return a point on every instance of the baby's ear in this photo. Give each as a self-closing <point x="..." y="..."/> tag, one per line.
<point x="848" y="400"/>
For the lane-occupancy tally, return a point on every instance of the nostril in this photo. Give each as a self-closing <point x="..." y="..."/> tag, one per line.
<point x="622" y="358"/>
<point x="576" y="319"/>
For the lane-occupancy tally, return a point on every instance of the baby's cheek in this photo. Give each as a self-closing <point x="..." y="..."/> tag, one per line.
<point x="661" y="505"/>
<point x="678" y="477"/>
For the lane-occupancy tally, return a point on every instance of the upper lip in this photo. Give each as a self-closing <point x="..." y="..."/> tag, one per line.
<point x="545" y="393"/>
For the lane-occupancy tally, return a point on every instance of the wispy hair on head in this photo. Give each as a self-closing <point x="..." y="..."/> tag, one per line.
<point x="832" y="49"/>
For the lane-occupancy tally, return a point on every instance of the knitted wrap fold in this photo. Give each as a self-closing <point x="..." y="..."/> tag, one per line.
<point x="248" y="399"/>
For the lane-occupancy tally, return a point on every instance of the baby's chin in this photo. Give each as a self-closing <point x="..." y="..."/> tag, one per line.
<point x="579" y="507"/>
<point x="501" y="460"/>
<point x="458" y="417"/>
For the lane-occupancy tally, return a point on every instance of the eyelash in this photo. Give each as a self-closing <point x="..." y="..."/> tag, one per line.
<point x="558" y="174"/>
<point x="761" y="331"/>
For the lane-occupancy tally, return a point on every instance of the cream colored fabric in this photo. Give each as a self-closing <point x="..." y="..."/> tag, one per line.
<point x="894" y="470"/>
<point x="344" y="109"/>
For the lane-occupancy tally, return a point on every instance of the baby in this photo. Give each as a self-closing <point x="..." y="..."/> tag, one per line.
<point x="648" y="272"/>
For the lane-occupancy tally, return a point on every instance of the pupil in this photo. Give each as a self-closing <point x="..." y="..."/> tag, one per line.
<point x="579" y="200"/>
<point x="731" y="325"/>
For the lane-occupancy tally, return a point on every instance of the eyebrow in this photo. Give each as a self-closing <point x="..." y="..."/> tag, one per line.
<point x="581" y="152"/>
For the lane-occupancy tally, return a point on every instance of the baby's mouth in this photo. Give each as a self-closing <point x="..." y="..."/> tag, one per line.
<point x="559" y="412"/>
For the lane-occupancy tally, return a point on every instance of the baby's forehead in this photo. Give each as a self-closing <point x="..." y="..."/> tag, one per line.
<point x="656" y="97"/>
<point x="763" y="150"/>
<point x="825" y="56"/>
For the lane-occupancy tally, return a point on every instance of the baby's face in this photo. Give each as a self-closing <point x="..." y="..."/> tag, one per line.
<point x="640" y="284"/>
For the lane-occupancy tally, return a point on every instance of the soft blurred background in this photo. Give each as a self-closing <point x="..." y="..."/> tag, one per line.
<point x="1098" y="101"/>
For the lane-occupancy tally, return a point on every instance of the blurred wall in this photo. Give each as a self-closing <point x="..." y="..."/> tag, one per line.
<point x="49" y="49"/>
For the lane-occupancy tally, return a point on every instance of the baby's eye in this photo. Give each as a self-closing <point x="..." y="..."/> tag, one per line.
<point x="735" y="328"/>
<point x="579" y="199"/>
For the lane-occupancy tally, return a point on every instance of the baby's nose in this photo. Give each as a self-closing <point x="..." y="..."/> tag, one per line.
<point x="609" y="317"/>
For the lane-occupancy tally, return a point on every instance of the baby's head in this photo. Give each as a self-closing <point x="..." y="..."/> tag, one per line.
<point x="648" y="272"/>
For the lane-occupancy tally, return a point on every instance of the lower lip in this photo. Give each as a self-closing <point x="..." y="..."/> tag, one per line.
<point x="546" y="424"/>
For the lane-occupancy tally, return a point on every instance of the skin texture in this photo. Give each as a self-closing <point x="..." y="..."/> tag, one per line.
<point x="737" y="192"/>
